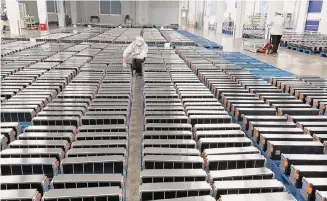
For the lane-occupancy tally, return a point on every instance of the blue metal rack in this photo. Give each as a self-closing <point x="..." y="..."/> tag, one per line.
<point x="24" y="125"/>
<point x="258" y="68"/>
<point x="323" y="54"/>
<point x="200" y="41"/>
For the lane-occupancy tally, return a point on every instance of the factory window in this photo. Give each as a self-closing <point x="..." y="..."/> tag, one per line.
<point x="51" y="6"/>
<point x="110" y="7"/>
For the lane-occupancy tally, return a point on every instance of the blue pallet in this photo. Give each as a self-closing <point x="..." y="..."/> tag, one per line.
<point x="294" y="48"/>
<point x="323" y="54"/>
<point x="257" y="66"/>
<point x="253" y="69"/>
<point x="263" y="67"/>
<point x="200" y="40"/>
<point x="241" y="61"/>
<point x="24" y="125"/>
<point x="238" y="58"/>
<point x="260" y="69"/>
<point x="307" y="51"/>
<point x="291" y="47"/>
<point x="227" y="32"/>
<point x="257" y="62"/>
<point x="272" y="70"/>
<point x="213" y="47"/>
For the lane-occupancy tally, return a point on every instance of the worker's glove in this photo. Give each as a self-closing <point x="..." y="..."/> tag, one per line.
<point x="124" y="65"/>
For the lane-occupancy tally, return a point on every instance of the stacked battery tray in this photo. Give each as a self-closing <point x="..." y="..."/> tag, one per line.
<point x="212" y="129"/>
<point x="275" y="116"/>
<point x="171" y="164"/>
<point x="300" y="169"/>
<point x="233" y="164"/>
<point x="151" y="36"/>
<point x="78" y="140"/>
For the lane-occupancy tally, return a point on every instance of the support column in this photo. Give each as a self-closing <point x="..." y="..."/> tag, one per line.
<point x="43" y="14"/>
<point x="61" y="13"/>
<point x="220" y="9"/>
<point x="323" y="19"/>
<point x="240" y="18"/>
<point x="182" y="5"/>
<point x="206" y="15"/>
<point x="191" y="13"/>
<point x="13" y="16"/>
<point x="199" y="5"/>
<point x="263" y="9"/>
<point x="301" y="16"/>
<point x="142" y="12"/>
<point x="73" y="8"/>
<point x="273" y="6"/>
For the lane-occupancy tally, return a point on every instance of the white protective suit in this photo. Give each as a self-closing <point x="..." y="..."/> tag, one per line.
<point x="277" y="25"/>
<point x="136" y="50"/>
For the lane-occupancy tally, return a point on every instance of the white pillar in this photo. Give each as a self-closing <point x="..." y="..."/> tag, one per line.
<point x="61" y="13"/>
<point x="263" y="7"/>
<point x="199" y="13"/>
<point x="73" y="8"/>
<point x="302" y="14"/>
<point x="273" y="6"/>
<point x="240" y="18"/>
<point x="220" y="9"/>
<point x="142" y="12"/>
<point x="191" y="13"/>
<point x="181" y="5"/>
<point x="323" y="19"/>
<point x="43" y="14"/>
<point x="13" y="16"/>
<point x="206" y="15"/>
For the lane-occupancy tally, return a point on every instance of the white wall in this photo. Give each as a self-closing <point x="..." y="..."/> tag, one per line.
<point x="31" y="9"/>
<point x="323" y="19"/>
<point x="164" y="12"/>
<point x="301" y="16"/>
<point x="191" y="18"/>
<point x="68" y="8"/>
<point x="230" y="9"/>
<point x="199" y="5"/>
<point x="183" y="4"/>
<point x="142" y="12"/>
<point x="86" y="9"/>
<point x="91" y="8"/>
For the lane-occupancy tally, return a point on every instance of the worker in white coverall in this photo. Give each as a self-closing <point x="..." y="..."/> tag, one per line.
<point x="137" y="51"/>
<point x="276" y="31"/>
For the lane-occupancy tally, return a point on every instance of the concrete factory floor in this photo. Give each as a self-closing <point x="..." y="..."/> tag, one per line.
<point x="135" y="141"/>
<point x="299" y="63"/>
